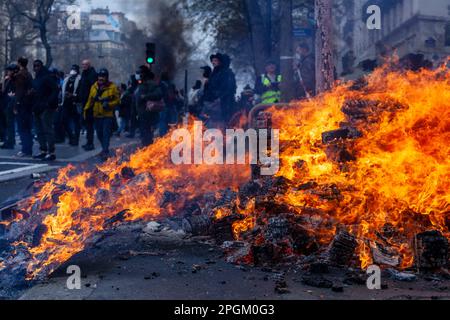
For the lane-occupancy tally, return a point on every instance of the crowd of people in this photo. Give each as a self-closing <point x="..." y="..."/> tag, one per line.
<point x="52" y="107"/>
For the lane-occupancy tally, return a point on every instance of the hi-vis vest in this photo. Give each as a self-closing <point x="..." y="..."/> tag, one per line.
<point x="270" y="96"/>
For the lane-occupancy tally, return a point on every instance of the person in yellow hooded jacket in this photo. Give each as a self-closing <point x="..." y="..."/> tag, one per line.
<point x="104" y="97"/>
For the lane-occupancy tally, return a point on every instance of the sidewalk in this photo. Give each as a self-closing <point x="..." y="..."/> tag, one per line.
<point x="12" y="167"/>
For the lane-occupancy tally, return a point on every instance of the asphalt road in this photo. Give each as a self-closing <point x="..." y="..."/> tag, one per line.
<point x="134" y="264"/>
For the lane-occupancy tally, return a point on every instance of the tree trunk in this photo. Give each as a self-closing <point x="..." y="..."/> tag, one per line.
<point x="324" y="46"/>
<point x="47" y="47"/>
<point x="269" y="9"/>
<point x="286" y="47"/>
<point x="259" y="35"/>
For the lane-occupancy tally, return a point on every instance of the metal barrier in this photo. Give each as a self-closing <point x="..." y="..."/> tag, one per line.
<point x="263" y="106"/>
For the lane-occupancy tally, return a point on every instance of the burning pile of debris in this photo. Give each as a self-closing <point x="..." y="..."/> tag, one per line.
<point x="363" y="179"/>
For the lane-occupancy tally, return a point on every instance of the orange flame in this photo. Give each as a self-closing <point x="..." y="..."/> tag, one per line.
<point x="400" y="175"/>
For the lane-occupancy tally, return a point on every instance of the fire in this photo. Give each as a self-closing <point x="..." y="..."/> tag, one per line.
<point x="393" y="184"/>
<point x="80" y="213"/>
<point x="400" y="174"/>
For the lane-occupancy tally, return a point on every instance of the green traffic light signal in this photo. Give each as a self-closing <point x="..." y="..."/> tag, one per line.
<point x="150" y="52"/>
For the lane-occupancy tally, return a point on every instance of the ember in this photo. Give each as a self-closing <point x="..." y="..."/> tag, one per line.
<point x="363" y="176"/>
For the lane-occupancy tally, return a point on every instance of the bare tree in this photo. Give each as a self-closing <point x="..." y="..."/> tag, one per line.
<point x="39" y="13"/>
<point x="286" y="52"/>
<point x="324" y="46"/>
<point x="259" y="33"/>
<point x="16" y="33"/>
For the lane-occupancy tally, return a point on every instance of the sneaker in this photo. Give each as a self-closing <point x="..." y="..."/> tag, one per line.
<point x="40" y="156"/>
<point x="49" y="157"/>
<point x="23" y="155"/>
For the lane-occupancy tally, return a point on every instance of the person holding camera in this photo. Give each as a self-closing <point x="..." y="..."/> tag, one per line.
<point x="103" y="100"/>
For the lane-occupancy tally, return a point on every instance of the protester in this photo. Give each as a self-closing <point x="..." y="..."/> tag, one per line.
<point x="149" y="103"/>
<point x="45" y="97"/>
<point x="305" y="71"/>
<point x="124" y="110"/>
<point x="268" y="85"/>
<point x="194" y="98"/>
<point x="58" y="120"/>
<point x="247" y="99"/>
<point x="169" y="115"/>
<point x="88" y="78"/>
<point x="103" y="99"/>
<point x="133" y="122"/>
<point x="9" y="102"/>
<point x="69" y="104"/>
<point x="2" y="115"/>
<point x="219" y="92"/>
<point x="24" y="84"/>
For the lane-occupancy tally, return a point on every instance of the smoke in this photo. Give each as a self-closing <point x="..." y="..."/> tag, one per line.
<point x="164" y="23"/>
<point x="170" y="31"/>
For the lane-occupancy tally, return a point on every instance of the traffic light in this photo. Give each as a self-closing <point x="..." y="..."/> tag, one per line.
<point x="151" y="53"/>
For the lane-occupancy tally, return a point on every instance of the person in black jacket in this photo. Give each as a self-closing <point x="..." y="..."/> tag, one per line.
<point x="24" y="83"/>
<point x="45" y="97"/>
<point x="124" y="110"/>
<point x="220" y="90"/>
<point x="71" y="113"/>
<point x="9" y="102"/>
<point x="88" y="78"/>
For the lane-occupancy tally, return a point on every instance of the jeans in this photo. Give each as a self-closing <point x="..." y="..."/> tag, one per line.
<point x="24" y="125"/>
<point x="71" y="121"/>
<point x="104" y="127"/>
<point x="123" y="123"/>
<point x="45" y="131"/>
<point x="10" y="138"/>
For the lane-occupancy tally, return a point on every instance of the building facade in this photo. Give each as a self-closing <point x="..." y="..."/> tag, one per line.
<point x="100" y="39"/>
<point x="407" y="26"/>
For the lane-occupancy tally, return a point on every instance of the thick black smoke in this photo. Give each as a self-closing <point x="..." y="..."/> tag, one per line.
<point x="163" y="23"/>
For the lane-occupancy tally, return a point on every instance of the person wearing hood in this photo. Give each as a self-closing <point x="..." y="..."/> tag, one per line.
<point x="45" y="96"/>
<point x="219" y="92"/>
<point x="69" y="98"/>
<point x="102" y="102"/>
